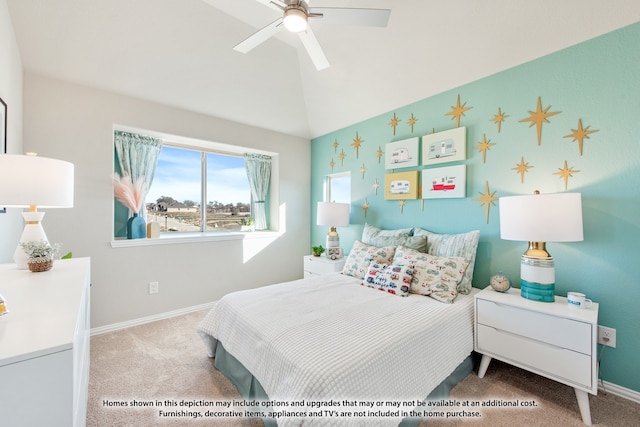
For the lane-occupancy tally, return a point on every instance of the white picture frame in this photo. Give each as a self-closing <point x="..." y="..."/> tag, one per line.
<point x="444" y="147"/>
<point x="449" y="182"/>
<point x="402" y="154"/>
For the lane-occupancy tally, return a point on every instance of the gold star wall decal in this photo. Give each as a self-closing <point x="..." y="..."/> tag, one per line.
<point x="522" y="168"/>
<point x="363" y="169"/>
<point x="342" y="156"/>
<point x="394" y="122"/>
<point x="458" y="111"/>
<point x="566" y="173"/>
<point x="376" y="185"/>
<point x="357" y="142"/>
<point x="484" y="146"/>
<point x="412" y="121"/>
<point x="539" y="117"/>
<point x="379" y="153"/>
<point x="365" y="206"/>
<point x="402" y="203"/>
<point x="486" y="199"/>
<point x="580" y="134"/>
<point x="499" y="118"/>
<point x="332" y="164"/>
<point x="335" y="146"/>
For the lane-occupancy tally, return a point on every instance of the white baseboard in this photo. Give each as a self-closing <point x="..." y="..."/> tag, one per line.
<point x="148" y="319"/>
<point x="617" y="390"/>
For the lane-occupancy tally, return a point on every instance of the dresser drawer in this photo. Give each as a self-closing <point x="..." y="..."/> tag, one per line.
<point x="540" y="357"/>
<point x="557" y="331"/>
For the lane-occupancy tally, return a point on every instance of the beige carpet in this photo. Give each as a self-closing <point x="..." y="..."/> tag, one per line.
<point x="165" y="361"/>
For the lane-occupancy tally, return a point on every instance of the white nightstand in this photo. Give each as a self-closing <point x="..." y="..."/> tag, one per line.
<point x="548" y="338"/>
<point x="319" y="265"/>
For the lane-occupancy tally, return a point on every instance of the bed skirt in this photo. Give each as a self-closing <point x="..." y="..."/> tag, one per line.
<point x="250" y="389"/>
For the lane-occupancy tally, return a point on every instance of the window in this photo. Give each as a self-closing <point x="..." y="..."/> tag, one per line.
<point x="198" y="190"/>
<point x="338" y="188"/>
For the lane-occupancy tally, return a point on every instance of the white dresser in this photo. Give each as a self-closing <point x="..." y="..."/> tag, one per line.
<point x="320" y="265"/>
<point x="44" y="345"/>
<point x="551" y="339"/>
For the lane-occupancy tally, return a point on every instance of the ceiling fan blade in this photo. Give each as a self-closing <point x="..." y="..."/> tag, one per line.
<point x="259" y="37"/>
<point x="314" y="50"/>
<point x="274" y="4"/>
<point x="348" y="16"/>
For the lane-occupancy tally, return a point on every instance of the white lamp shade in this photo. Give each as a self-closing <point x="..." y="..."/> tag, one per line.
<point x="35" y="181"/>
<point x="542" y="217"/>
<point x="333" y="214"/>
<point x="295" y="20"/>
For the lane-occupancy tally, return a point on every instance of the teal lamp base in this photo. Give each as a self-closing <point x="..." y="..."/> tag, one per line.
<point x="537" y="279"/>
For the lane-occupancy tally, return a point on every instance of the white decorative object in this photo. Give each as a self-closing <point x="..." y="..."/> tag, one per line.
<point x="443" y="147"/>
<point x="552" y="340"/>
<point x="30" y="181"/>
<point x="402" y="154"/>
<point x="333" y="215"/>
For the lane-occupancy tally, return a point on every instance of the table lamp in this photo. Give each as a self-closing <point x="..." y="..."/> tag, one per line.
<point x="333" y="215"/>
<point x="540" y="218"/>
<point x="32" y="181"/>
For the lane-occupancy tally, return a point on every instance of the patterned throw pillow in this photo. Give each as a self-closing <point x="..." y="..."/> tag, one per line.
<point x="399" y="237"/>
<point x="437" y="277"/>
<point x="361" y="255"/>
<point x="395" y="279"/>
<point x="462" y="245"/>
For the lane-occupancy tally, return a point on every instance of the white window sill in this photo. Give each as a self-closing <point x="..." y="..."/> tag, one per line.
<point x="177" y="238"/>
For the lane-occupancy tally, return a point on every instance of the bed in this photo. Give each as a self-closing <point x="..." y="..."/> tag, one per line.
<point x="325" y="342"/>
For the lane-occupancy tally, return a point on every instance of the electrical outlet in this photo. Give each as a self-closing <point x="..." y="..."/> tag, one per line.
<point x="154" y="288"/>
<point x="607" y="336"/>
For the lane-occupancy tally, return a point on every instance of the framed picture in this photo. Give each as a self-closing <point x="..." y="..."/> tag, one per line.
<point x="402" y="154"/>
<point x="443" y="147"/>
<point x="3" y="133"/>
<point x="449" y="182"/>
<point x="401" y="185"/>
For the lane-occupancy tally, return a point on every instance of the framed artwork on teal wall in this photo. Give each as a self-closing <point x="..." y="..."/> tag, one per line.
<point x="402" y="154"/>
<point x="401" y="185"/>
<point x="448" y="182"/>
<point x="444" y="147"/>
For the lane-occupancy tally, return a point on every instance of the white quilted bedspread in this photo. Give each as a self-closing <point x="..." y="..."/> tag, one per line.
<point x="329" y="338"/>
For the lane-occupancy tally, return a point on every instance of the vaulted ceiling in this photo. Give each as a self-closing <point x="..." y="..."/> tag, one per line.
<point x="179" y="52"/>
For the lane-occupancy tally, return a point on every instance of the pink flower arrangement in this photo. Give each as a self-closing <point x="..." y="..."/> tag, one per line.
<point x="129" y="192"/>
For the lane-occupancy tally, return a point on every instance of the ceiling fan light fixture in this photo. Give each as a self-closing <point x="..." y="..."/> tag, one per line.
<point x="295" y="20"/>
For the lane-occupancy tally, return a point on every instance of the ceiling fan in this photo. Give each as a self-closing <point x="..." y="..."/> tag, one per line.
<point x="295" y="18"/>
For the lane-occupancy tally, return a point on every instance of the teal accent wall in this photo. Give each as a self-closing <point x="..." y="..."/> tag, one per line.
<point x="596" y="82"/>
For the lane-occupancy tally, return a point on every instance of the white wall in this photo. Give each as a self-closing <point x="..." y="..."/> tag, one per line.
<point x="75" y="123"/>
<point x="11" y="94"/>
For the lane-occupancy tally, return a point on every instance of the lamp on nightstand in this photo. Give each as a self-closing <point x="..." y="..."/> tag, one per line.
<point x="333" y="215"/>
<point x="29" y="181"/>
<point x="540" y="218"/>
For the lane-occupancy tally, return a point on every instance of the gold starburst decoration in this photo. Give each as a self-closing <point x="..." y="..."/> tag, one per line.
<point x="412" y="121"/>
<point x="499" y="118"/>
<point x="580" y="134"/>
<point x="394" y="122"/>
<point x="363" y="169"/>
<point x="376" y="185"/>
<point x="402" y="203"/>
<point x="342" y="156"/>
<point x="365" y="206"/>
<point x="484" y="146"/>
<point x="566" y="173"/>
<point x="522" y="168"/>
<point x="539" y="117"/>
<point x="335" y="146"/>
<point x="357" y="142"/>
<point x="486" y="199"/>
<point x="379" y="153"/>
<point x="332" y="164"/>
<point x="458" y="111"/>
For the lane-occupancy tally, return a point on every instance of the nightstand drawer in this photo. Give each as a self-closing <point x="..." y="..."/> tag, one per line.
<point x="557" y="331"/>
<point x="322" y="265"/>
<point x="536" y="356"/>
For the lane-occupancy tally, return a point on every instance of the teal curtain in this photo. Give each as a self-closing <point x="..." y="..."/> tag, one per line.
<point x="259" y="173"/>
<point x="136" y="155"/>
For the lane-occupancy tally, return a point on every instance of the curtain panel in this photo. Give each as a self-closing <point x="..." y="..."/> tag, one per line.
<point x="259" y="174"/>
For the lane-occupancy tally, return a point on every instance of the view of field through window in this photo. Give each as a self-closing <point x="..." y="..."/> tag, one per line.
<point x="175" y="197"/>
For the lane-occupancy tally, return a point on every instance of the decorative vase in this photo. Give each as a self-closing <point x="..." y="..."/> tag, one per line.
<point x="136" y="227"/>
<point x="40" y="264"/>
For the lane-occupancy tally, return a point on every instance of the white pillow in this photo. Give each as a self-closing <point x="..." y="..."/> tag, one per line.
<point x="361" y="255"/>
<point x="394" y="279"/>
